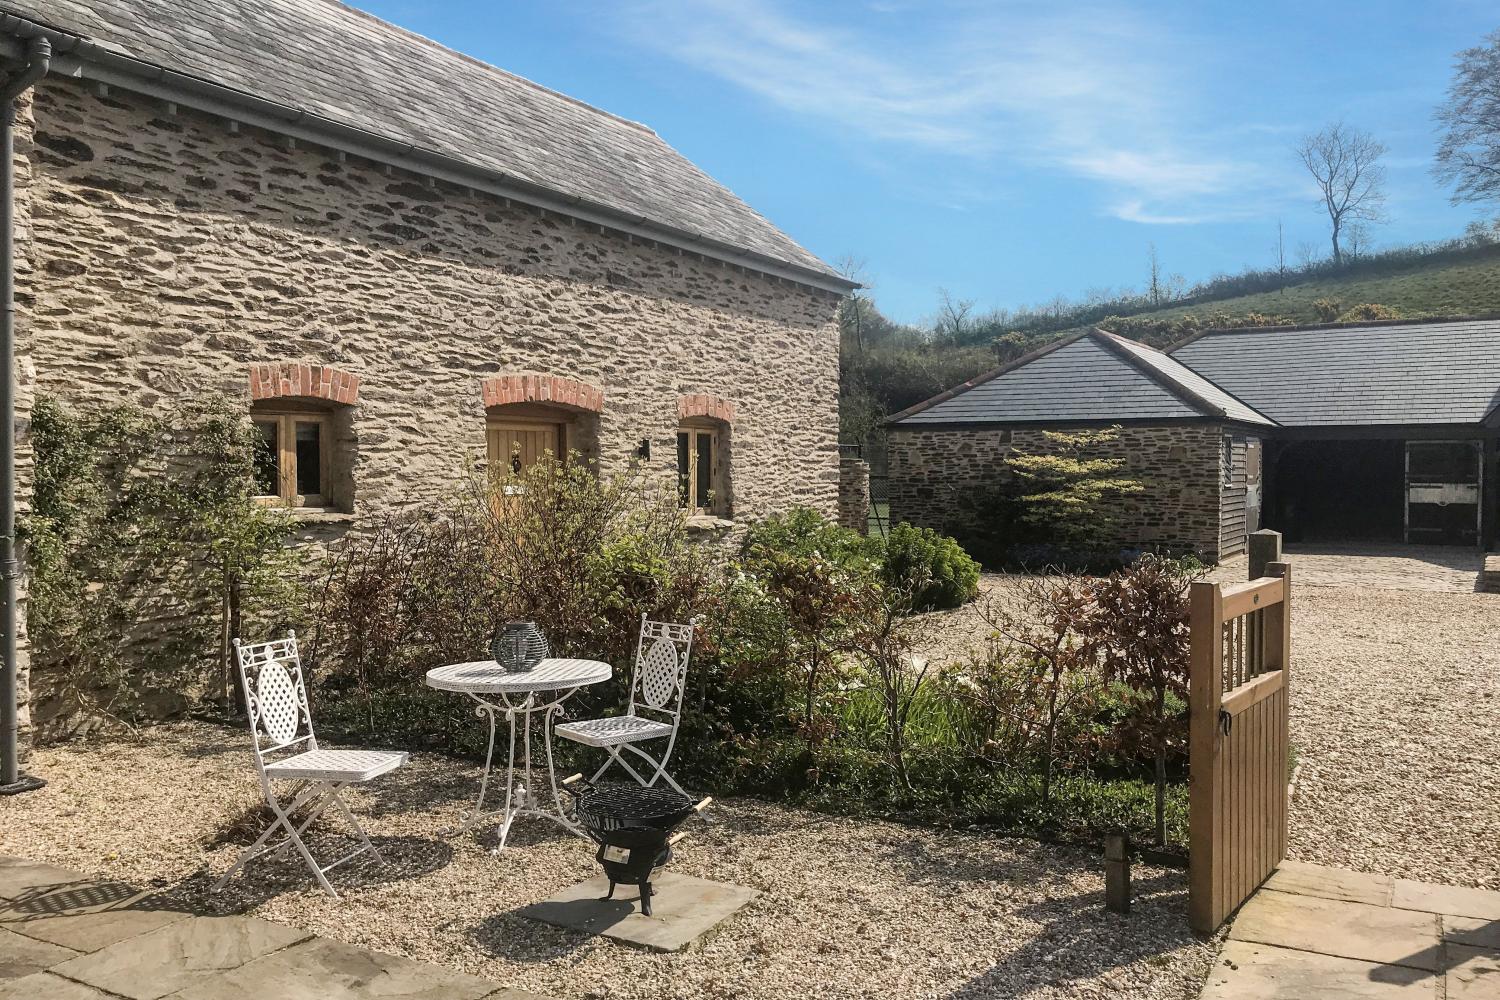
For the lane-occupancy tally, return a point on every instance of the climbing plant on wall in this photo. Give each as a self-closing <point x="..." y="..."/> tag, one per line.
<point x="144" y="551"/>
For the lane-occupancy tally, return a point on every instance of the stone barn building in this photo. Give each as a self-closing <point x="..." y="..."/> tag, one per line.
<point x="1361" y="432"/>
<point x="401" y="261"/>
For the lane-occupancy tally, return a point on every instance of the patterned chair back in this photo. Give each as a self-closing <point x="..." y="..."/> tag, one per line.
<point x="275" y="696"/>
<point x="661" y="663"/>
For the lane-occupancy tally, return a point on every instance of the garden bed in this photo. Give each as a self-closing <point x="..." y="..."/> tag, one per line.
<point x="859" y="908"/>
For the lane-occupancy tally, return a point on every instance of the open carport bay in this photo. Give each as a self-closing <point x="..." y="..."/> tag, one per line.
<point x="1338" y="490"/>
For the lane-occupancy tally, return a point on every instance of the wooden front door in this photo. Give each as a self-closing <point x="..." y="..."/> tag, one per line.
<point x="521" y="444"/>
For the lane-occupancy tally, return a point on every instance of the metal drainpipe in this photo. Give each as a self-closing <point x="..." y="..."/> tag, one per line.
<point x="12" y="781"/>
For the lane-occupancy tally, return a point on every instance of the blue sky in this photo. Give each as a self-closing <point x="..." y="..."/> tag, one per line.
<point x="1006" y="152"/>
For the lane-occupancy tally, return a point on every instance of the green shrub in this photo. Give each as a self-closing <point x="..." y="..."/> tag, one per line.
<point x="933" y="568"/>
<point x="802" y="685"/>
<point x="1368" y="311"/>
<point x="1327" y="309"/>
<point x="804" y="532"/>
<point x="581" y="554"/>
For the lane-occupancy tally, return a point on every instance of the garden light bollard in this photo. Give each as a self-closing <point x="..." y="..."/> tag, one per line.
<point x="1117" y="873"/>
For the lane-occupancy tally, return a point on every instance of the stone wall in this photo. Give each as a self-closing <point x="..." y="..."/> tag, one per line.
<point x="165" y="254"/>
<point x="930" y="471"/>
<point x="854" y="494"/>
<point x="933" y="470"/>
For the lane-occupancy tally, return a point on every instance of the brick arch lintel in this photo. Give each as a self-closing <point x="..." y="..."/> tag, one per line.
<point x="298" y="379"/>
<point x="556" y="390"/>
<point x="703" y="404"/>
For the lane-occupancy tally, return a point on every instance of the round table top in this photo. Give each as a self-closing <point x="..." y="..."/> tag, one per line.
<point x="488" y="677"/>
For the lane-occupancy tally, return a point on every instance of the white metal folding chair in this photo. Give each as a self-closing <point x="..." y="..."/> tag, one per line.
<point x="280" y="723"/>
<point x="656" y="690"/>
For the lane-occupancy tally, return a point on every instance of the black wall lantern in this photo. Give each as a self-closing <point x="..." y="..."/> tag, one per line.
<point x="643" y="450"/>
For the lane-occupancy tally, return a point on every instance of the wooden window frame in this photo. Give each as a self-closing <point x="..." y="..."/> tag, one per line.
<point x="286" y="420"/>
<point x="717" y="501"/>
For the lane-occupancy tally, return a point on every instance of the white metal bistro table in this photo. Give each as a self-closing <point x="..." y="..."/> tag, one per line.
<point x="540" y="690"/>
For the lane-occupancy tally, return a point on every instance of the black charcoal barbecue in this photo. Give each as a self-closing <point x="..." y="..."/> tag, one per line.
<point x="633" y="828"/>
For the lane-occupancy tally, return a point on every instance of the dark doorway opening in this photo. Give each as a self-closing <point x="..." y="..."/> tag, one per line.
<point x="1333" y="491"/>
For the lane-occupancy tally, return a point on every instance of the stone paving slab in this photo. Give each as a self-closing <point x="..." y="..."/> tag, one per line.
<point x="1331" y="883"/>
<point x="1473" y="973"/>
<point x="321" y="969"/>
<point x="22" y="956"/>
<point x="1312" y="933"/>
<point x="101" y="940"/>
<point x="46" y="986"/>
<point x="1453" y="899"/>
<point x="1472" y="931"/>
<point x="173" y="957"/>
<point x="1251" y="971"/>
<point x="1340" y="928"/>
<point x="683" y="910"/>
<point x="85" y="915"/>
<point x="17" y="875"/>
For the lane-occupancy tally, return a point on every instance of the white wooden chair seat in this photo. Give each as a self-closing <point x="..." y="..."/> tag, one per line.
<point x="613" y="732"/>
<point x="338" y="765"/>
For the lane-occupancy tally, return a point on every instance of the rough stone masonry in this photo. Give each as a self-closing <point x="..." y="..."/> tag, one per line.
<point x="934" y="470"/>
<point x="163" y="254"/>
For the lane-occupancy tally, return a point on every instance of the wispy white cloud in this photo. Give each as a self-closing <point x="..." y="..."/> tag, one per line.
<point x="1091" y="91"/>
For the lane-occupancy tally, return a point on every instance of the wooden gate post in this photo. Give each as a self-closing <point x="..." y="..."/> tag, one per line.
<point x="1265" y="549"/>
<point x="1205" y="689"/>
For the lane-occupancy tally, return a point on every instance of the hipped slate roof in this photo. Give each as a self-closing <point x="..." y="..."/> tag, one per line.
<point x="340" y="65"/>
<point x="1090" y="377"/>
<point x="1384" y="373"/>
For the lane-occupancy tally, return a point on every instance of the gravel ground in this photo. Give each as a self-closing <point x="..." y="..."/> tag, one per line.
<point x="1396" y="728"/>
<point x="950" y="637"/>
<point x="851" y="908"/>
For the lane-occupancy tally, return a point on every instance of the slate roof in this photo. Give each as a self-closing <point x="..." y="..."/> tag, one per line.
<point x="348" y="67"/>
<point x="1401" y="373"/>
<point x="1188" y="380"/>
<point x="1094" y="376"/>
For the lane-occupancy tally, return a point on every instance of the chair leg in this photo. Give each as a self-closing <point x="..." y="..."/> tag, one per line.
<point x="615" y="758"/>
<point x="315" y="808"/>
<point x="305" y="792"/>
<point x="359" y="831"/>
<point x="294" y="836"/>
<point x="661" y="768"/>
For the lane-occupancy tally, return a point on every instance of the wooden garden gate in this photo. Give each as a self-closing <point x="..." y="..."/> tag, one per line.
<point x="1237" y="742"/>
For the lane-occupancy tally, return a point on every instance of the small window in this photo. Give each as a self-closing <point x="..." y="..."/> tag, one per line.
<point x="1227" y="461"/>
<point x="699" y="470"/>
<point x="291" y="457"/>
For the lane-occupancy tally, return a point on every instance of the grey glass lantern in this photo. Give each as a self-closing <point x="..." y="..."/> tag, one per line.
<point x="519" y="646"/>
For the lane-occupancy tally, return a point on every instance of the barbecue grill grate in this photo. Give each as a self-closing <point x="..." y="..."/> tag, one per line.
<point x="631" y="807"/>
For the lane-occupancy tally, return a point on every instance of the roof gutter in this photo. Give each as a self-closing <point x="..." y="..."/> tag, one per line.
<point x="39" y="48"/>
<point x="92" y="61"/>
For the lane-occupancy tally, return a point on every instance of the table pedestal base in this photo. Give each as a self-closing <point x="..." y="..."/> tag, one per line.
<point x="519" y="797"/>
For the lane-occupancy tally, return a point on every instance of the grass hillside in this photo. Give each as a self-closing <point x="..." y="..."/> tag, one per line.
<point x="1466" y="285"/>
<point x="887" y="367"/>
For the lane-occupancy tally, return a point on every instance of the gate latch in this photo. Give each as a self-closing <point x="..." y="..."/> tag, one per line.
<point x="1226" y="722"/>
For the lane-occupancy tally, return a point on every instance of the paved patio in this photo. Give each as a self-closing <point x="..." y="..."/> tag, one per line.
<point x="65" y="936"/>
<point x="1313" y="932"/>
